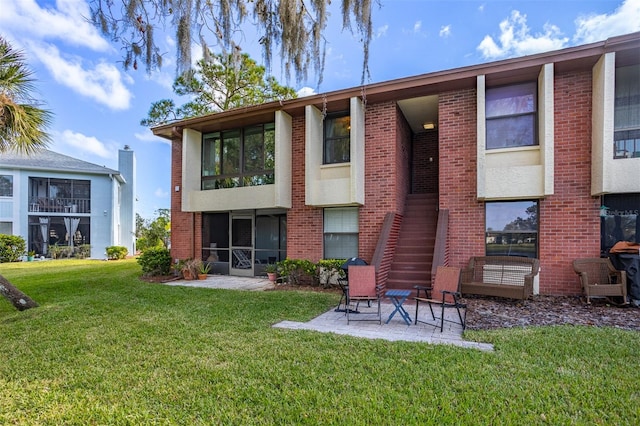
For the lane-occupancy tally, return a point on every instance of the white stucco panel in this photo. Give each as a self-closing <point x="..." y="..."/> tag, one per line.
<point x="334" y="184"/>
<point x="191" y="166"/>
<point x="521" y="182"/>
<point x="248" y="197"/>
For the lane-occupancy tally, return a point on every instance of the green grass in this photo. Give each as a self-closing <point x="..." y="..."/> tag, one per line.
<point x="106" y="348"/>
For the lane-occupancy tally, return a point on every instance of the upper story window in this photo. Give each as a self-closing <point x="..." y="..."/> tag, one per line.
<point x="337" y="143"/>
<point x="627" y="113"/>
<point x="239" y="157"/>
<point x="511" y="116"/>
<point x="6" y="186"/>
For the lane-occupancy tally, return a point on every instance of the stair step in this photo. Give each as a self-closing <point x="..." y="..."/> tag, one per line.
<point x="413" y="256"/>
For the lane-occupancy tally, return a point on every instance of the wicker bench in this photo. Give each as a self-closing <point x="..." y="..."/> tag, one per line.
<point x="501" y="276"/>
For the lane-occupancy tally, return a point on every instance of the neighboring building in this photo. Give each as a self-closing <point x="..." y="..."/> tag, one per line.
<point x="535" y="156"/>
<point x="52" y="199"/>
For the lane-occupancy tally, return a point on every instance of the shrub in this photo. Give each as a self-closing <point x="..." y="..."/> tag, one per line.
<point x="12" y="248"/>
<point x="329" y="271"/>
<point x="155" y="261"/>
<point x="82" y="251"/>
<point x="117" y="252"/>
<point x="58" y="252"/>
<point x="298" y="271"/>
<point x="189" y="268"/>
<point x="332" y="264"/>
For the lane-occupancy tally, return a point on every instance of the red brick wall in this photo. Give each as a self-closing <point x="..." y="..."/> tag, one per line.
<point x="457" y="163"/>
<point x="386" y="168"/>
<point x="404" y="136"/>
<point x="304" y="223"/>
<point x="570" y="218"/>
<point x="386" y="182"/>
<point x="425" y="172"/>
<point x="181" y="222"/>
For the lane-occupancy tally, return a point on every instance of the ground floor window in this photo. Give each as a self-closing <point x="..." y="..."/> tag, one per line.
<point x="619" y="220"/>
<point x="340" y="232"/>
<point x="57" y="235"/>
<point x="6" y="228"/>
<point x="511" y="228"/>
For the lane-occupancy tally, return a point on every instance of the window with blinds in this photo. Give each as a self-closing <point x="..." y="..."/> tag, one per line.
<point x="340" y="232"/>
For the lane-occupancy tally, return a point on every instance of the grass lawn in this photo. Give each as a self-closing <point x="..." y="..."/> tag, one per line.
<point x="106" y="348"/>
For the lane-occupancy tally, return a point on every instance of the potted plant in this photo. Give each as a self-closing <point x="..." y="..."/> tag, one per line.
<point x="204" y="269"/>
<point x="190" y="269"/>
<point x="272" y="271"/>
<point x="30" y="255"/>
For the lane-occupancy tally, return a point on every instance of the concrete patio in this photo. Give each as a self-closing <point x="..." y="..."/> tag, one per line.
<point x="336" y="322"/>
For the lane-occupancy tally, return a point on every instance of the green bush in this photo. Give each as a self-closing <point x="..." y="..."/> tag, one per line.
<point x="82" y="251"/>
<point x="12" y="248"/>
<point x="155" y="261"/>
<point x="117" y="252"/>
<point x="332" y="264"/>
<point x="329" y="271"/>
<point x="298" y="271"/>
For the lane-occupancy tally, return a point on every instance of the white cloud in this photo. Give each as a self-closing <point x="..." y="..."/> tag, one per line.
<point x="445" y="31"/>
<point x="68" y="23"/>
<point x="515" y="39"/>
<point x="162" y="77"/>
<point x="85" y="144"/>
<point x="417" y="27"/>
<point x="382" y="31"/>
<point x="161" y="193"/>
<point x="104" y="83"/>
<point x="305" y="91"/>
<point x="148" y="136"/>
<point x="481" y="8"/>
<point x="625" y="19"/>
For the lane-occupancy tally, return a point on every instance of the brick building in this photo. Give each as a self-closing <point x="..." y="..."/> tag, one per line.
<point x="536" y="156"/>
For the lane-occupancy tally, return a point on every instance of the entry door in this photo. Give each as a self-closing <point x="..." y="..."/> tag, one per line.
<point x="241" y="245"/>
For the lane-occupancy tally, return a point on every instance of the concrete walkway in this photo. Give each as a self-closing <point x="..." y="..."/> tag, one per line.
<point x="336" y="322"/>
<point x="227" y="282"/>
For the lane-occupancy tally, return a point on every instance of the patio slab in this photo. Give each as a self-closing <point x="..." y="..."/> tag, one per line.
<point x="396" y="330"/>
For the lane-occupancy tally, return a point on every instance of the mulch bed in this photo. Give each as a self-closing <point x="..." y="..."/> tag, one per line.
<point x="485" y="313"/>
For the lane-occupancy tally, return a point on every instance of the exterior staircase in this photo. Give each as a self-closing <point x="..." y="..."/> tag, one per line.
<point x="413" y="255"/>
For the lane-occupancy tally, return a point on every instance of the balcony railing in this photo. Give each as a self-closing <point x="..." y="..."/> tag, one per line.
<point x="59" y="205"/>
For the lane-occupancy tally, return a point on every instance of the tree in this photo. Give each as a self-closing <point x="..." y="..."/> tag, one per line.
<point x="22" y="121"/>
<point x="217" y="84"/>
<point x="22" y="127"/>
<point x="295" y="26"/>
<point x="155" y="233"/>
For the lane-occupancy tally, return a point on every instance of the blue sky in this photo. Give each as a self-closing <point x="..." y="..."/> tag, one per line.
<point x="98" y="106"/>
